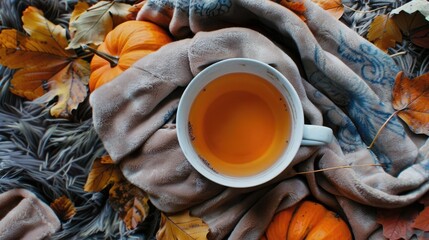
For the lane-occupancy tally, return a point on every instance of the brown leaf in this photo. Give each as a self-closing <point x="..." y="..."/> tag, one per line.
<point x="130" y="202"/>
<point x="92" y="26"/>
<point x="136" y="210"/>
<point x="420" y="36"/>
<point x="397" y="223"/>
<point x="64" y="208"/>
<point x="411" y="100"/>
<point x="422" y="220"/>
<point x="182" y="226"/>
<point x="333" y="7"/>
<point x="101" y="175"/>
<point x="413" y="20"/>
<point x="384" y="32"/>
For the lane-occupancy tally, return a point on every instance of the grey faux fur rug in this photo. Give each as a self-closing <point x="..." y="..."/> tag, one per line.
<point x="52" y="157"/>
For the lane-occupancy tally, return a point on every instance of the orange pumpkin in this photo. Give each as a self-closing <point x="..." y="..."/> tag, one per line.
<point x="123" y="46"/>
<point x="307" y="220"/>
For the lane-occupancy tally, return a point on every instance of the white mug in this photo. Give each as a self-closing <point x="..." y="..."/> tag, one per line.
<point x="300" y="133"/>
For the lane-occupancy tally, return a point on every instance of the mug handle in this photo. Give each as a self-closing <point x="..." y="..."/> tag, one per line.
<point x="316" y="135"/>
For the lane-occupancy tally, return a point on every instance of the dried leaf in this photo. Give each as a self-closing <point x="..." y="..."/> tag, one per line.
<point x="182" y="226"/>
<point x="397" y="223"/>
<point x="333" y="7"/>
<point x="44" y="66"/>
<point x="413" y="20"/>
<point x="69" y="85"/>
<point x="411" y="100"/>
<point x="296" y="6"/>
<point x="130" y="202"/>
<point x="64" y="208"/>
<point x="134" y="10"/>
<point x="136" y="210"/>
<point x="422" y="220"/>
<point x="413" y="6"/>
<point x="420" y="36"/>
<point x="39" y="28"/>
<point x="384" y="32"/>
<point x="102" y="174"/>
<point x="79" y="8"/>
<point x="93" y="25"/>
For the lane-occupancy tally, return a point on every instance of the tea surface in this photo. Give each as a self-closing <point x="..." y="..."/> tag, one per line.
<point x="239" y="124"/>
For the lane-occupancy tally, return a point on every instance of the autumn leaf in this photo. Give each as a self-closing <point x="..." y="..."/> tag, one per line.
<point x="422" y="220"/>
<point x="397" y="223"/>
<point x="102" y="174"/>
<point x="130" y="202"/>
<point x="333" y="7"/>
<point x="182" y="226"/>
<point x="64" y="208"/>
<point x="79" y="8"/>
<point x="384" y="32"/>
<point x="413" y="20"/>
<point x="296" y="6"/>
<point x="41" y="29"/>
<point x="92" y="25"/>
<point x="69" y="85"/>
<point x="43" y="64"/>
<point x="411" y="101"/>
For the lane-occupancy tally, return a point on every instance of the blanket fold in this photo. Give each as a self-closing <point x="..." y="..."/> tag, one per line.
<point x="343" y="81"/>
<point x="24" y="216"/>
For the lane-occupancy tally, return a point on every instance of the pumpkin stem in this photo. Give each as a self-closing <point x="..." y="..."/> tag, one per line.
<point x="111" y="59"/>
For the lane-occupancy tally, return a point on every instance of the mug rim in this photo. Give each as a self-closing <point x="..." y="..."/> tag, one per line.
<point x="192" y="90"/>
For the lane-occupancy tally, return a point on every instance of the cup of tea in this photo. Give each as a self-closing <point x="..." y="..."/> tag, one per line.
<point x="240" y="123"/>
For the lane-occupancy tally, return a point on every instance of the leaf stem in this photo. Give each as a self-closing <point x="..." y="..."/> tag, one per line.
<point x="111" y="59"/>
<point x="339" y="167"/>
<point x="381" y="128"/>
<point x="361" y="11"/>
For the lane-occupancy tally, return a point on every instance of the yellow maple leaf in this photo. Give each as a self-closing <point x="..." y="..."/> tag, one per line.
<point x="92" y="25"/>
<point x="384" y="32"/>
<point x="43" y="65"/>
<point x="182" y="226"/>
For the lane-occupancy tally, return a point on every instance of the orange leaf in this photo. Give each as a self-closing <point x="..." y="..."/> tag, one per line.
<point x="130" y="202"/>
<point x="422" y="220"/>
<point x="411" y="100"/>
<point x="397" y="223"/>
<point x="333" y="7"/>
<point x="64" y="208"/>
<point x="384" y="32"/>
<point x="102" y="175"/>
<point x="296" y="6"/>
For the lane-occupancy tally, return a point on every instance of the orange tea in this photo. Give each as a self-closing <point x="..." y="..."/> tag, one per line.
<point x="239" y="124"/>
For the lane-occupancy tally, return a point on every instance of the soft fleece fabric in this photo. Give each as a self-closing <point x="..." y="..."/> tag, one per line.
<point x="24" y="216"/>
<point x="344" y="82"/>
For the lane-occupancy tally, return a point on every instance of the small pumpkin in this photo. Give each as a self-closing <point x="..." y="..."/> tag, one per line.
<point x="307" y="220"/>
<point x="123" y="46"/>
